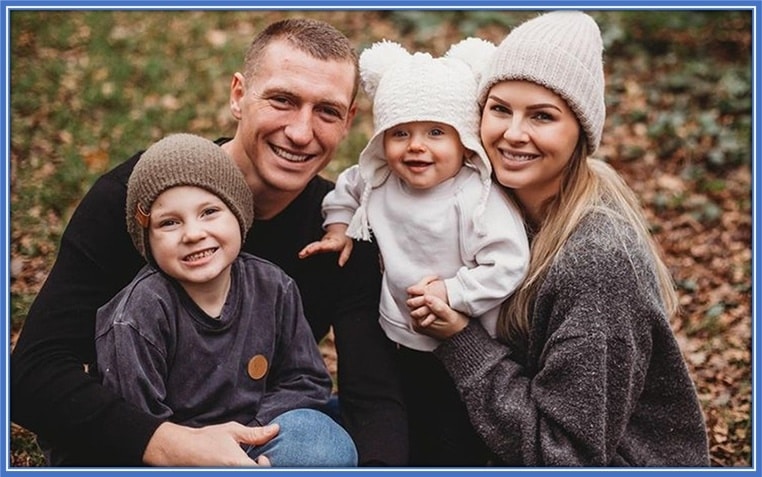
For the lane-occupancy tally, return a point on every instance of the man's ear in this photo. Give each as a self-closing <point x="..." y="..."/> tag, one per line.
<point x="237" y="92"/>
<point x="350" y="118"/>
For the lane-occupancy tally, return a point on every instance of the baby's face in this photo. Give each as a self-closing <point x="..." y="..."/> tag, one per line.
<point x="423" y="153"/>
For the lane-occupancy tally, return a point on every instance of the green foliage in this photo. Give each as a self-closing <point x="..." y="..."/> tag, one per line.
<point x="347" y="154"/>
<point x="423" y="25"/>
<point x="654" y="32"/>
<point x="20" y="303"/>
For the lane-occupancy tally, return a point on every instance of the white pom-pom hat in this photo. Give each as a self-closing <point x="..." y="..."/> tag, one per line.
<point x="409" y="87"/>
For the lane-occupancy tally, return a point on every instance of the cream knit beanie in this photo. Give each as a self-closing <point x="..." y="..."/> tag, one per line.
<point x="563" y="51"/>
<point x="184" y="160"/>
<point x="408" y="87"/>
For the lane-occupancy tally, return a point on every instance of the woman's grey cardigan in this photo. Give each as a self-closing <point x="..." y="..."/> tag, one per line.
<point x="604" y="381"/>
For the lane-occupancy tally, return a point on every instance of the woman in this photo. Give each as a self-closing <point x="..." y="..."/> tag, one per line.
<point x="586" y="370"/>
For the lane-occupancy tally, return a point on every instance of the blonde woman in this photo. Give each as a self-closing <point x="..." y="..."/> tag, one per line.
<point x="586" y="370"/>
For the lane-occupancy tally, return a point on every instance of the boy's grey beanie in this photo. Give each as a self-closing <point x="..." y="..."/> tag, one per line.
<point x="184" y="160"/>
<point x="563" y="51"/>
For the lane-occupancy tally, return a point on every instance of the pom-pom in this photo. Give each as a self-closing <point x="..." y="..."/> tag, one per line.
<point x="376" y="60"/>
<point x="475" y="52"/>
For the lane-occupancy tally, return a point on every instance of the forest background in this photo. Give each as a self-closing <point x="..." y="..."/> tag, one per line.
<point x="90" y="88"/>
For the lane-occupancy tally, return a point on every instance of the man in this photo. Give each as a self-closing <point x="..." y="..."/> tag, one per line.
<point x="294" y="103"/>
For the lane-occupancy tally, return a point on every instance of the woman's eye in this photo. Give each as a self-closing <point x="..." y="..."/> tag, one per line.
<point x="499" y="108"/>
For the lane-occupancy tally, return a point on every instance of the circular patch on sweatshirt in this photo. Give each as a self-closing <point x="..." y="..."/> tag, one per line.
<point x="257" y="366"/>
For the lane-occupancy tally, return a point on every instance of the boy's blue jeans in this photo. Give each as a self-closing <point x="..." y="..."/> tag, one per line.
<point x="308" y="438"/>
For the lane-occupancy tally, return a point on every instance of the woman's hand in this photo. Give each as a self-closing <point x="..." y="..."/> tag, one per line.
<point x="210" y="446"/>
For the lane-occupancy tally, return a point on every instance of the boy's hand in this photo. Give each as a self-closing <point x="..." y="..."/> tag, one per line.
<point x="334" y="240"/>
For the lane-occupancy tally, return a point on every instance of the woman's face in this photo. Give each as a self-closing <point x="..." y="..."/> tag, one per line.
<point x="529" y="134"/>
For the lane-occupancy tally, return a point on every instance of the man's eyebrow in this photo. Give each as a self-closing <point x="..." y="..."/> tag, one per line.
<point x="275" y="91"/>
<point x="338" y="105"/>
<point x="335" y="104"/>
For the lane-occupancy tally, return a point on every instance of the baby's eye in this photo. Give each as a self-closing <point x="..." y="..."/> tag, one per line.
<point x="437" y="132"/>
<point x="167" y="223"/>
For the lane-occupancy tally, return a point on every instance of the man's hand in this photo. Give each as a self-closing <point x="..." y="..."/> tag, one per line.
<point x="210" y="446"/>
<point x="334" y="240"/>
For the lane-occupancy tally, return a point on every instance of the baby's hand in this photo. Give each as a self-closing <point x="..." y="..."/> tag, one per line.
<point x="334" y="240"/>
<point x="433" y="317"/>
<point x="429" y="285"/>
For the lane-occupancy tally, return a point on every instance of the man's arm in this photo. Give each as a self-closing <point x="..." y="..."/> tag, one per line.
<point x="51" y="394"/>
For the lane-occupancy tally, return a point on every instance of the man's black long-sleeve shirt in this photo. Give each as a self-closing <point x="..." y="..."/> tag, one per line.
<point x="52" y="395"/>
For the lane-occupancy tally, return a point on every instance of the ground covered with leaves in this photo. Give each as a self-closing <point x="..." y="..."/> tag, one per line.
<point x="89" y="88"/>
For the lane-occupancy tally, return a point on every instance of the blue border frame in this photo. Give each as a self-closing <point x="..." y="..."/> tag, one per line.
<point x="379" y="5"/>
<point x="8" y="5"/>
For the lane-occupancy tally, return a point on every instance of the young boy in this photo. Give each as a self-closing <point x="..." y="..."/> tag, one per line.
<point x="206" y="334"/>
<point x="423" y="187"/>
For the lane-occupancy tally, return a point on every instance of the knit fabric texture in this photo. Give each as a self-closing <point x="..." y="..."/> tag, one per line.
<point x="184" y="160"/>
<point x="604" y="382"/>
<point x="562" y="51"/>
<point x="409" y="87"/>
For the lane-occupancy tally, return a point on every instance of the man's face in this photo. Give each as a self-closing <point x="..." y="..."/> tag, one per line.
<point x="292" y="115"/>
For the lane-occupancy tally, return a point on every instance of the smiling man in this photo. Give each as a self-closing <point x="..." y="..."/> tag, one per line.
<point x="294" y="103"/>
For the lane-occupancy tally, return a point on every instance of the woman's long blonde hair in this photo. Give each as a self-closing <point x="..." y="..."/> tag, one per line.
<point x="588" y="184"/>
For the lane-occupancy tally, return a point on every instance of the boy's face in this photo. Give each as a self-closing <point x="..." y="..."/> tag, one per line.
<point x="194" y="237"/>
<point x="423" y="154"/>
